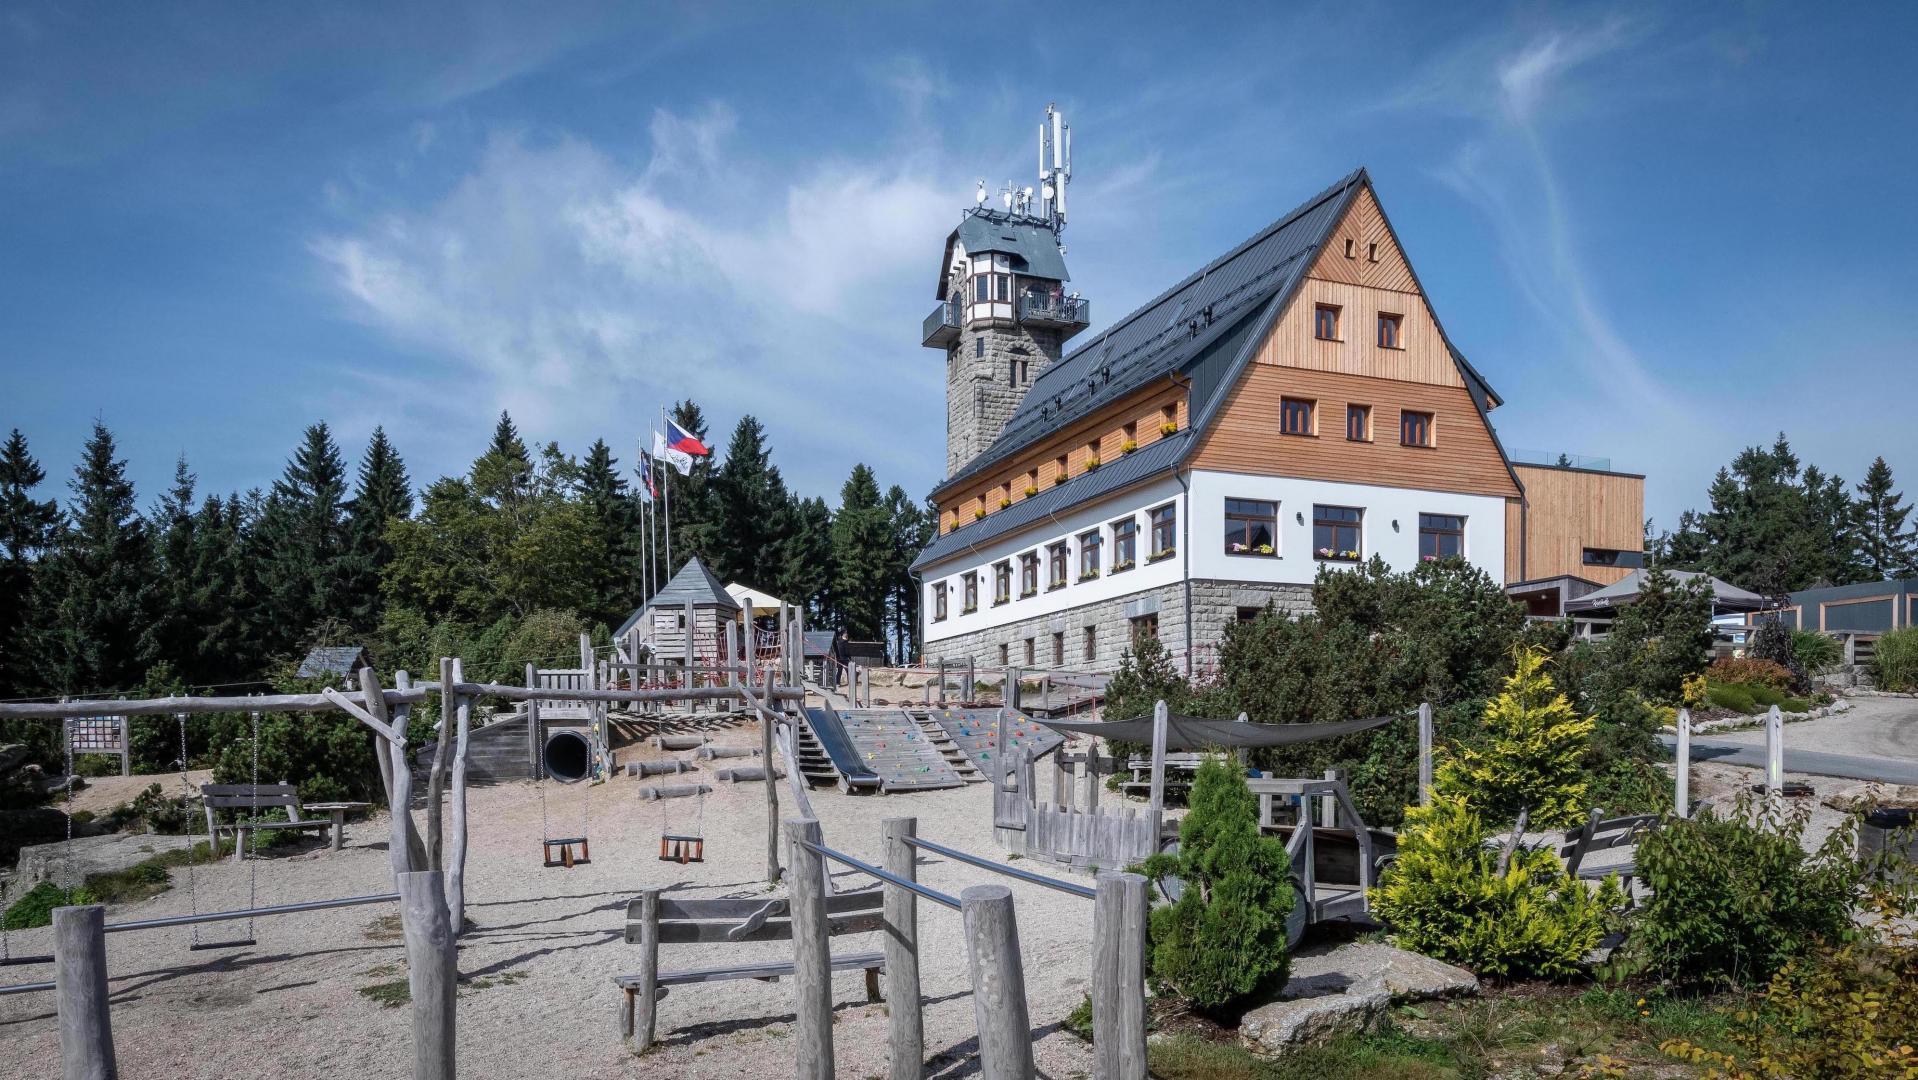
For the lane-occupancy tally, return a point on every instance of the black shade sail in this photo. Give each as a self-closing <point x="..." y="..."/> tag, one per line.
<point x="1195" y="733"/>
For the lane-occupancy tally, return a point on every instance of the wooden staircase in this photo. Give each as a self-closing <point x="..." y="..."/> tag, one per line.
<point x="942" y="741"/>
<point x="814" y="765"/>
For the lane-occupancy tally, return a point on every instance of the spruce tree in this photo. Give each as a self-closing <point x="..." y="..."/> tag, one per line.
<point x="806" y="574"/>
<point x="27" y="530"/>
<point x="913" y="527"/>
<point x="96" y="594"/>
<point x="1886" y="547"/>
<point x="304" y="521"/>
<point x="503" y="475"/>
<point x="695" y="524"/>
<point x="612" y="514"/>
<point x="750" y="509"/>
<point x="222" y="599"/>
<point x="862" y="556"/>
<point x="382" y="492"/>
<point x="175" y="623"/>
<point x="1531" y="756"/>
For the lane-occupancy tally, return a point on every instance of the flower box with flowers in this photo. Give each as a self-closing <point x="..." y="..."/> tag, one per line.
<point x="1092" y="463"/>
<point x="1027" y="594"/>
<point x="1089" y="575"/>
<point x="969" y="609"/>
<point x="1168" y="428"/>
<point x="1056" y="586"/>
<point x="1122" y="564"/>
<point x="1003" y="503"/>
<point x="1128" y="446"/>
<point x="1059" y="478"/>
<point x="1236" y="547"/>
<point x="979" y="513"/>
<point x="1159" y="556"/>
<point x="1031" y="490"/>
<point x="1337" y="555"/>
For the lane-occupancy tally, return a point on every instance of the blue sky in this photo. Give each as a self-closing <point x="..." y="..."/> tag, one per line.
<point x="1662" y="232"/>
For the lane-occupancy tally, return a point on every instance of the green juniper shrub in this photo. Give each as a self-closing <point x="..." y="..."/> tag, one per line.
<point x="1817" y="652"/>
<point x="1528" y="757"/>
<point x="1223" y="940"/>
<point x="1146" y="676"/>
<point x="1736" y="896"/>
<point x="35" y="906"/>
<point x="1894" y="660"/>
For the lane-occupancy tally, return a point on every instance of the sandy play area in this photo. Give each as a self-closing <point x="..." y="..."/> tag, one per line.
<point x="538" y="1001"/>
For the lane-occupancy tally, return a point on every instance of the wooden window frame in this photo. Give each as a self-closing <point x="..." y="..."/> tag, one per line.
<point x="1032" y="652"/>
<point x="1243" y="521"/>
<point x="1140" y="627"/>
<point x="1089" y="544"/>
<point x="1125" y="534"/>
<point x="1005" y="653"/>
<point x="1430" y="423"/>
<point x="1351" y="248"/>
<point x="1428" y="526"/>
<point x="1372" y="252"/>
<point x="969" y="599"/>
<point x="1090" y="644"/>
<point x="1319" y="311"/>
<point x="1397" y="325"/>
<point x="1364" y="415"/>
<point x="1002" y="582"/>
<point x="1163" y="517"/>
<point x="1335" y="552"/>
<point x="1288" y="405"/>
<point x="1028" y="574"/>
<point x="940" y="603"/>
<point x="1058" y="648"/>
<point x="1058" y="560"/>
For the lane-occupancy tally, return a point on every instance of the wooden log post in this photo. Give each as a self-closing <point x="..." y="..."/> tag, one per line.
<point x="1682" y="797"/>
<point x="998" y="983"/>
<point x="80" y="985"/>
<point x="690" y="659"/>
<point x="1425" y="753"/>
<point x="766" y="722"/>
<point x="642" y="1001"/>
<point x="534" y="751"/>
<point x="906" y="1032"/>
<point x="436" y="778"/>
<point x="432" y="973"/>
<point x="799" y="645"/>
<point x="1774" y="751"/>
<point x="785" y="642"/>
<point x="1160" y="718"/>
<point x="812" y="961"/>
<point x="456" y="854"/>
<point x="406" y="850"/>
<point x="1118" y="977"/>
<point x="1329" y="804"/>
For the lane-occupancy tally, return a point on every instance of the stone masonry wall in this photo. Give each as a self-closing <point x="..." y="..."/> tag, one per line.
<point x="1215" y="605"/>
<point x="979" y="397"/>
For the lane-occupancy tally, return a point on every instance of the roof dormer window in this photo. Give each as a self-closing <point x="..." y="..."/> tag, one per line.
<point x="1351" y="248"/>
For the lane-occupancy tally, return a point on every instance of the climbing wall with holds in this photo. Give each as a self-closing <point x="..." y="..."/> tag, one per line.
<point x="976" y="733"/>
<point x="892" y="746"/>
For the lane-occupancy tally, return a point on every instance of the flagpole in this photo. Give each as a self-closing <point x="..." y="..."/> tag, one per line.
<point x="646" y="501"/>
<point x="666" y="487"/>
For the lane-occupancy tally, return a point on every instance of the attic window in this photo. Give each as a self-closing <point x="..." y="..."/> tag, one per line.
<point x="1351" y="248"/>
<point x="1325" y="322"/>
<point x="1372" y="252"/>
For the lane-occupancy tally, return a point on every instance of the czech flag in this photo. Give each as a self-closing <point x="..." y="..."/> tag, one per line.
<point x="683" y="441"/>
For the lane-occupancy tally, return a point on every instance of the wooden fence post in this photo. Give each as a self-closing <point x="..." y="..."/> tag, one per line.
<point x="432" y="973"/>
<point x="1329" y="804"/>
<point x="812" y="962"/>
<point x="1425" y="753"/>
<point x="1118" y="977"/>
<point x="1682" y="798"/>
<point x="766" y="723"/>
<point x="456" y="854"/>
<point x="906" y="1038"/>
<point x="645" y="997"/>
<point x="998" y="983"/>
<point x="80" y="984"/>
<point x="534" y="751"/>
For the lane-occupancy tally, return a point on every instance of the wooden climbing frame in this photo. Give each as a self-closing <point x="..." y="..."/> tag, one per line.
<point x="681" y="849"/>
<point x="566" y="857"/>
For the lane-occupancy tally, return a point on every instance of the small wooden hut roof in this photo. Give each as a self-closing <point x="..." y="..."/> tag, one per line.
<point x="333" y="660"/>
<point x="695" y="585"/>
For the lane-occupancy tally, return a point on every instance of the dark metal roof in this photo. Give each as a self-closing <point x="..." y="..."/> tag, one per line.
<point x="694" y="584"/>
<point x="1171" y="332"/>
<point x="332" y="660"/>
<point x="1033" y="245"/>
<point x="1129" y="469"/>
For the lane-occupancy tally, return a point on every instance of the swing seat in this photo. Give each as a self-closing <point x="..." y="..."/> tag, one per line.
<point x="208" y="946"/>
<point x="681" y="849"/>
<point x="566" y="857"/>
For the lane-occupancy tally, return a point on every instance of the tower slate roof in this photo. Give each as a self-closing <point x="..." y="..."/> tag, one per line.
<point x="1033" y="245"/>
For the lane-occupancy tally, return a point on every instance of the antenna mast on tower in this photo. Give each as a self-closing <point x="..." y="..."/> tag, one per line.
<point x="1055" y="166"/>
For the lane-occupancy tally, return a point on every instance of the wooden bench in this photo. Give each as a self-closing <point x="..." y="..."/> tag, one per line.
<point x="257" y="797"/>
<point x="1600" y="834"/>
<point x="652" y="921"/>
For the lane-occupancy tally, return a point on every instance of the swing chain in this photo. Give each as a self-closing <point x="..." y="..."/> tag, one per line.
<point x="253" y="834"/>
<point x="186" y="804"/>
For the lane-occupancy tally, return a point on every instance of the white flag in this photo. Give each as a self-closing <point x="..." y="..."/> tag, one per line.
<point x="681" y="459"/>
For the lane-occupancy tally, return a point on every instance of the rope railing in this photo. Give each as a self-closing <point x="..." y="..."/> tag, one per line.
<point x="1000" y="868"/>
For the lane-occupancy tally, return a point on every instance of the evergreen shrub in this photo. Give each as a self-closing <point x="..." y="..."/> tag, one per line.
<point x="1894" y="663"/>
<point x="1817" y="652"/>
<point x="1223" y="940"/>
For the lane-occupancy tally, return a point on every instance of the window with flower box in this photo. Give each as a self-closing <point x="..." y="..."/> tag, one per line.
<point x="971" y="597"/>
<point x="1337" y="533"/>
<point x="1125" y="544"/>
<point x="1165" y="531"/>
<point x="1251" y="527"/>
<point x="1028" y="574"/>
<point x="1089" y="543"/>
<point x="1002" y="583"/>
<point x="1441" y="536"/>
<point x="939" y="602"/>
<point x="1056" y="561"/>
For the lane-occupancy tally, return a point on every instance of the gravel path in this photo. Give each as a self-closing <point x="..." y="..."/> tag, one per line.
<point x="539" y="1002"/>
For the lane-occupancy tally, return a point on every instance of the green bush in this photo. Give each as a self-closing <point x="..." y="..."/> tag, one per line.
<point x="1773" y="641"/>
<point x="1444" y="897"/>
<point x="35" y="906"/>
<point x="1817" y="652"/>
<point x="1528" y="760"/>
<point x="1736" y="897"/>
<point x="1223" y="940"/>
<point x="1894" y="662"/>
<point x="1731" y="696"/>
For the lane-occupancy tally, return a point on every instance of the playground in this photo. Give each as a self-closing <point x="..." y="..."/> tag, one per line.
<point x="536" y="966"/>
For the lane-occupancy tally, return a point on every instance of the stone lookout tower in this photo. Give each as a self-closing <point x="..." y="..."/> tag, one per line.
<point x="1004" y="311"/>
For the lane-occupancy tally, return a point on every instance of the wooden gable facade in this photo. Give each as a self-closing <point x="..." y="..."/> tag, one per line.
<point x="1328" y="349"/>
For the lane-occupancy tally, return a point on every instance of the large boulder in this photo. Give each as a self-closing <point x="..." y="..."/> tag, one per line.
<point x="1344" y="990"/>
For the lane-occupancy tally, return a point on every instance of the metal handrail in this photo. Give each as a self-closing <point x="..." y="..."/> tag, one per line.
<point x="883" y="875"/>
<point x="25" y="988"/>
<point x="1009" y="871"/>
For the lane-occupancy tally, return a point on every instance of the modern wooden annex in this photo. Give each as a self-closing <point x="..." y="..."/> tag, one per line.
<point x="1294" y="404"/>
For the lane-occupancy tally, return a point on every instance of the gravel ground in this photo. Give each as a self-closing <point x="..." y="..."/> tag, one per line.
<point x="539" y="1001"/>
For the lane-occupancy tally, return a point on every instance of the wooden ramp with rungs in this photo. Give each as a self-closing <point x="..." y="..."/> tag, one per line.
<point x="942" y="741"/>
<point x="975" y="732"/>
<point x="891" y="744"/>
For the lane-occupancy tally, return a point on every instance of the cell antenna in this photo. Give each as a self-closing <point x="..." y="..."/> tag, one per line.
<point x="1055" y="166"/>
